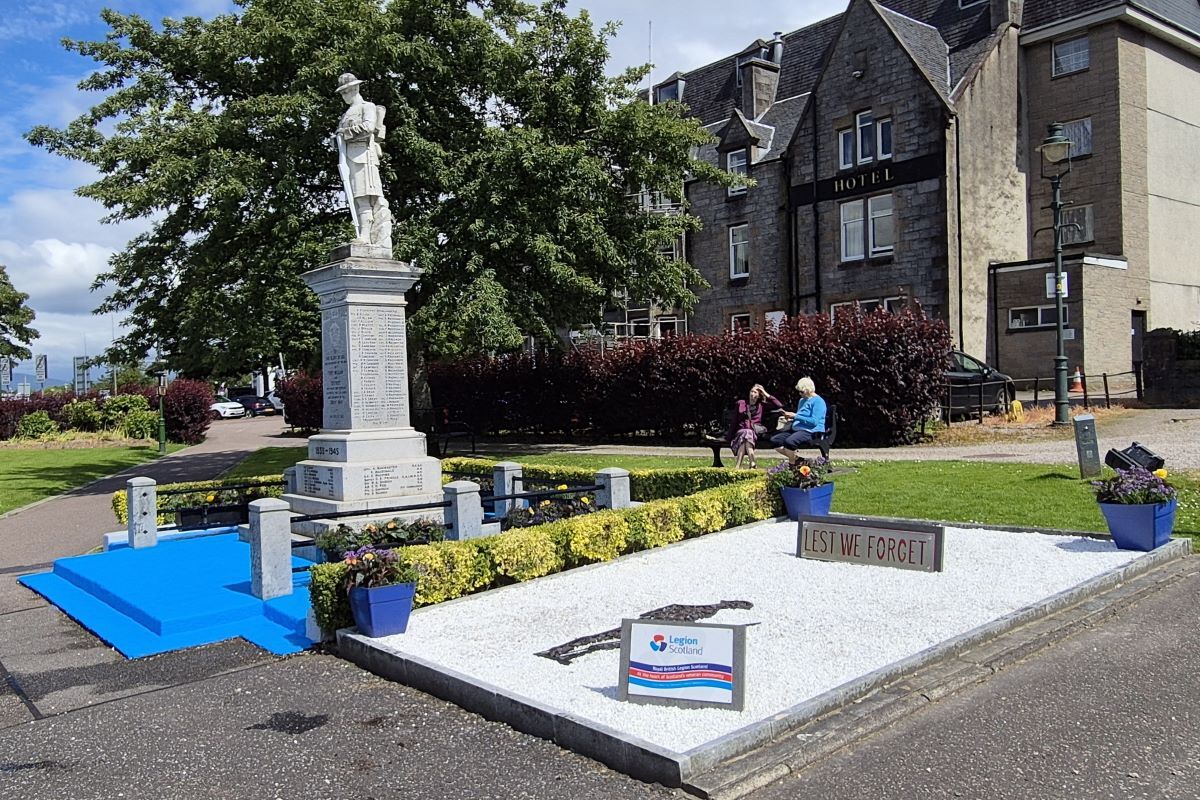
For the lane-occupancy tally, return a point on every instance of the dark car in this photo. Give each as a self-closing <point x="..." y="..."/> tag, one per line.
<point x="255" y="405"/>
<point x="966" y="377"/>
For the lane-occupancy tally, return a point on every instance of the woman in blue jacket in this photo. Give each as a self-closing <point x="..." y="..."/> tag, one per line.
<point x="807" y="421"/>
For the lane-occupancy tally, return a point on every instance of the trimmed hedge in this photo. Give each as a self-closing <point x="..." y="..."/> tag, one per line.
<point x="204" y="489"/>
<point x="883" y="371"/>
<point x="644" y="484"/>
<point x="187" y="409"/>
<point x="455" y="569"/>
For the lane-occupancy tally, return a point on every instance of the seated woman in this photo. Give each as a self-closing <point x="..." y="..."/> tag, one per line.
<point x="807" y="421"/>
<point x="748" y="424"/>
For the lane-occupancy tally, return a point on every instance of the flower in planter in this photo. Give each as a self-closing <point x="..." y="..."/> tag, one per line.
<point x="1136" y="486"/>
<point x="806" y="473"/>
<point x="370" y="566"/>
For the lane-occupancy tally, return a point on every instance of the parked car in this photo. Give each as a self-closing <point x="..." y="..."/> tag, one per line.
<point x="276" y="400"/>
<point x="224" y="408"/>
<point x="255" y="405"/>
<point x="964" y="376"/>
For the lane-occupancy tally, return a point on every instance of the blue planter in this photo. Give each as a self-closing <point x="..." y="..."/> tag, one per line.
<point x="1140" y="527"/>
<point x="808" y="502"/>
<point x="382" y="610"/>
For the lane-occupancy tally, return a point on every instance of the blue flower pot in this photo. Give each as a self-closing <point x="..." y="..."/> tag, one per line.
<point x="1140" y="527"/>
<point x="382" y="610"/>
<point x="808" y="502"/>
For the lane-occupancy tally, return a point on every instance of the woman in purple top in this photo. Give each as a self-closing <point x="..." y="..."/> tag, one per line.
<point x="748" y="424"/>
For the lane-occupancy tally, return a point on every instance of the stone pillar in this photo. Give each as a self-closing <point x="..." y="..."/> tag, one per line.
<point x="465" y="514"/>
<point x="290" y="484"/>
<point x="614" y="488"/>
<point x="270" y="548"/>
<point x="367" y="455"/>
<point x="141" y="504"/>
<point x="504" y="480"/>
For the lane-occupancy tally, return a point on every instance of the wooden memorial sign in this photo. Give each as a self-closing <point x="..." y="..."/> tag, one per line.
<point x="900" y="544"/>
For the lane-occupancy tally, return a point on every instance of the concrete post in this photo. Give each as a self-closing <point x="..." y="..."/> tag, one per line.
<point x="290" y="486"/>
<point x="270" y="548"/>
<point x="465" y="514"/>
<point x="614" y="488"/>
<point x="141" y="504"/>
<point x="504" y="478"/>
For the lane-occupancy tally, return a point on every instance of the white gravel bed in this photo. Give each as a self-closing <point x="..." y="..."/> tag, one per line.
<point x="819" y="624"/>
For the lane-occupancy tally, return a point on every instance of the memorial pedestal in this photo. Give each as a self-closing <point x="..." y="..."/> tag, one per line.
<point x="367" y="456"/>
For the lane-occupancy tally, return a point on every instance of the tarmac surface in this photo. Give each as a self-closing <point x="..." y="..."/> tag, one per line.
<point x="1113" y="711"/>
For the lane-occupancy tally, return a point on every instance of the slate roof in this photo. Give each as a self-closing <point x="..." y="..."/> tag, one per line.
<point x="926" y="46"/>
<point x="964" y="30"/>
<point x="1183" y="14"/>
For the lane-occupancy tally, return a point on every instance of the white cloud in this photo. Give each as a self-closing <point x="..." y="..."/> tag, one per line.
<point x="56" y="275"/>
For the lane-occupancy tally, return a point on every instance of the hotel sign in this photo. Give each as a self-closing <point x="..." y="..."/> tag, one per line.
<point x="904" y="545"/>
<point x="871" y="179"/>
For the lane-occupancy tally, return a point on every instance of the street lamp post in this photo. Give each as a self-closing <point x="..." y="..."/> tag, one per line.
<point x="162" y="420"/>
<point x="1056" y="153"/>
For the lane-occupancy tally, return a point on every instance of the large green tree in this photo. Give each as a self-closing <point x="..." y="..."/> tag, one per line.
<point x="509" y="164"/>
<point x="15" y="317"/>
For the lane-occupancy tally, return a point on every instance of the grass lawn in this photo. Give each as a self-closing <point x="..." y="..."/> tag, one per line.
<point x="267" y="461"/>
<point x="955" y="491"/>
<point x="28" y="475"/>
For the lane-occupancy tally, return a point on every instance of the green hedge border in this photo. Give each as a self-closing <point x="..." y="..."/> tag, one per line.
<point x="203" y="489"/>
<point x="453" y="569"/>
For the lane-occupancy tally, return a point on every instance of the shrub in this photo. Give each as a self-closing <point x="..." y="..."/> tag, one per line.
<point x="525" y="554"/>
<point x="448" y="570"/>
<point x="882" y="370"/>
<point x="12" y="409"/>
<point x="644" y="484"/>
<point x="140" y="424"/>
<point x="82" y="415"/>
<point x="654" y="525"/>
<point x="205" y="492"/>
<point x="303" y="400"/>
<point x="36" y="425"/>
<point x="454" y="569"/>
<point x="188" y="410"/>
<point x="115" y="408"/>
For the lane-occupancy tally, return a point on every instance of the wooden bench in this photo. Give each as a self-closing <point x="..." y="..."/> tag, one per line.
<point x="821" y="441"/>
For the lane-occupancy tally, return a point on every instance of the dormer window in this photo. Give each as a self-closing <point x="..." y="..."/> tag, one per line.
<point x="667" y="92"/>
<point x="737" y="162"/>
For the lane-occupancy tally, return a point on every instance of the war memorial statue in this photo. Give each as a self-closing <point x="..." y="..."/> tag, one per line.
<point x="367" y="455"/>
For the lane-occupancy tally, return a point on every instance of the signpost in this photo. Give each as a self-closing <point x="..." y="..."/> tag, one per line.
<point x="41" y="368"/>
<point x="904" y="545"/>
<point x="690" y="664"/>
<point x="81" y="384"/>
<point x="6" y="366"/>
<point x="1087" y="447"/>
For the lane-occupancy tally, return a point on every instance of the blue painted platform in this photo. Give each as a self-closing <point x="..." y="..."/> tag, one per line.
<point x="178" y="594"/>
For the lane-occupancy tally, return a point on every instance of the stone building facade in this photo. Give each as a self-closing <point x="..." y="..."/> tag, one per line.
<point x="893" y="154"/>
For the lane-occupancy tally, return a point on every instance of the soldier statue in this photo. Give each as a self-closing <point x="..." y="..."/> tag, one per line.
<point x="358" y="135"/>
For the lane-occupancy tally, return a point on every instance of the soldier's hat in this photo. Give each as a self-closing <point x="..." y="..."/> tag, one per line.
<point x="347" y="81"/>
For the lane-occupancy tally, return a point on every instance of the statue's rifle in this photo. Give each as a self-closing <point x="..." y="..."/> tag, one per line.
<point x="344" y="171"/>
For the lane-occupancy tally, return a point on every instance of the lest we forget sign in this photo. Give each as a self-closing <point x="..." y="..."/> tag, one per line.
<point x="683" y="663"/>
<point x="905" y="545"/>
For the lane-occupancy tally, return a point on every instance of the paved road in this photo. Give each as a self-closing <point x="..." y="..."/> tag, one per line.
<point x="1111" y="713"/>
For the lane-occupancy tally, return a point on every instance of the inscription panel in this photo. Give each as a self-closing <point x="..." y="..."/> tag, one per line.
<point x="334" y="367"/>
<point x="378" y="367"/>
<point x="317" y="482"/>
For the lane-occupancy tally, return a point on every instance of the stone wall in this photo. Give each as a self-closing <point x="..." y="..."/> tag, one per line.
<point x="890" y="85"/>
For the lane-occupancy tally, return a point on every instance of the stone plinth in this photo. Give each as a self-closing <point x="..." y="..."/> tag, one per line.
<point x="367" y="455"/>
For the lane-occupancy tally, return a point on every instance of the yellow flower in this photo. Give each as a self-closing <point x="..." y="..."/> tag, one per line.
<point x="368" y="556"/>
<point x="805" y="471"/>
<point x="584" y="500"/>
<point x="545" y="502"/>
<point x="391" y="525"/>
<point x="1162" y="473"/>
<point x="561" y="486"/>
<point x="210" y="498"/>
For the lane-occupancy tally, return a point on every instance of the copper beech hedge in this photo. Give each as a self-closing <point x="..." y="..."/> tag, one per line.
<point x="883" y="371"/>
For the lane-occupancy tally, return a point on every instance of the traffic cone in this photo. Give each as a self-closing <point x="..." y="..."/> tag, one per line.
<point x="1077" y="383"/>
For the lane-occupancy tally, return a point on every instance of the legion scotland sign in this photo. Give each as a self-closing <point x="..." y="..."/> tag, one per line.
<point x="684" y="664"/>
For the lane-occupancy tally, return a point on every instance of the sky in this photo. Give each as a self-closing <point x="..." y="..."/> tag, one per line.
<point x="55" y="243"/>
